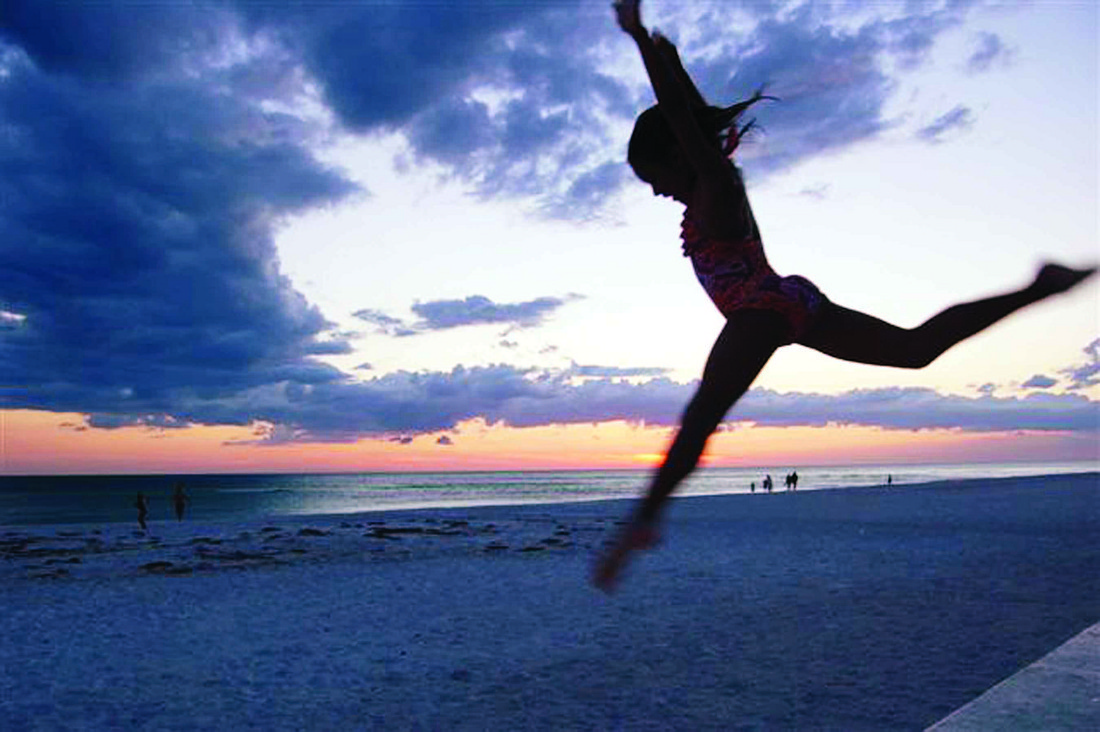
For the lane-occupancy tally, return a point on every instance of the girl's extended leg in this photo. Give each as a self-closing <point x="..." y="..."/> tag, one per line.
<point x="855" y="336"/>
<point x="743" y="348"/>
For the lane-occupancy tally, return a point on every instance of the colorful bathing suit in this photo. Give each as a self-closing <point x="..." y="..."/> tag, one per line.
<point x="736" y="276"/>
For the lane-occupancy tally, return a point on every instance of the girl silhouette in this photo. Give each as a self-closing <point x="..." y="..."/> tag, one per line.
<point x="681" y="147"/>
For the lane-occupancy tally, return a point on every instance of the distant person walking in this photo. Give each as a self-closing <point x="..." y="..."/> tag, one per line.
<point x="180" y="499"/>
<point x="682" y="148"/>
<point x="794" y="480"/>
<point x="141" y="503"/>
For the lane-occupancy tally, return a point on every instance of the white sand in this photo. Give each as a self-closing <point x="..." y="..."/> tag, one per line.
<point x="858" y="609"/>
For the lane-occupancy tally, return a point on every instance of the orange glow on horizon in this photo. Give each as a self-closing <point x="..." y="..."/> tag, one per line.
<point x="35" y="442"/>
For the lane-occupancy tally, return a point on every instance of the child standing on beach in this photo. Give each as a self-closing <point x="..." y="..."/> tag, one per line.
<point x="681" y="147"/>
<point x="180" y="500"/>
<point x="141" y="503"/>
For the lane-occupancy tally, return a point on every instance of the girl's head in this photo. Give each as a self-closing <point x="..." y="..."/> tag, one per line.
<point x="655" y="156"/>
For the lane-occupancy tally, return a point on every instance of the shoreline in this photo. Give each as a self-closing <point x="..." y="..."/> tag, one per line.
<point x="855" y="609"/>
<point x="460" y="505"/>
<point x="110" y="549"/>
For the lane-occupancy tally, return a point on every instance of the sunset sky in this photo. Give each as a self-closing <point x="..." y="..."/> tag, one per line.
<point x="242" y="236"/>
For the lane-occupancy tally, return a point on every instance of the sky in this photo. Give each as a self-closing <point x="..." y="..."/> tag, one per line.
<point x="341" y="236"/>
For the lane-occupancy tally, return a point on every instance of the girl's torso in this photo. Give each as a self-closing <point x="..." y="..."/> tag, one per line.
<point x="736" y="276"/>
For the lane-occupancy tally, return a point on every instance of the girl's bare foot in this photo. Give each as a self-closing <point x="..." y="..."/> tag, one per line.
<point x="1054" y="279"/>
<point x="634" y="536"/>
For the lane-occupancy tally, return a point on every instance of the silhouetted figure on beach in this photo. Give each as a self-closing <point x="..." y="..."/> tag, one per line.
<point x="794" y="480"/>
<point x="768" y="483"/>
<point x="141" y="503"/>
<point x="180" y="500"/>
<point x="682" y="147"/>
<point x="889" y="480"/>
<point x="752" y="487"/>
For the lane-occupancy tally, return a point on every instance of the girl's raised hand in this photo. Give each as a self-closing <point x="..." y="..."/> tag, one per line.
<point x="629" y="15"/>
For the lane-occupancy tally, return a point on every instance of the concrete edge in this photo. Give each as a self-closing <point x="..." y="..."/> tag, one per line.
<point x="1060" y="691"/>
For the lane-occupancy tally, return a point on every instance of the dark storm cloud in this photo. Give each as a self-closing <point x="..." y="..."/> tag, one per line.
<point x="427" y="70"/>
<point x="1038" y="381"/>
<point x="139" y="190"/>
<point x="105" y="40"/>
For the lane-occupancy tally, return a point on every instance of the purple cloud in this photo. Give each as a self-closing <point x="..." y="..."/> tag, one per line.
<point x="615" y="372"/>
<point x="990" y="51"/>
<point x="958" y="118"/>
<point x="1088" y="373"/>
<point x="1038" y="381"/>
<point x="439" y="315"/>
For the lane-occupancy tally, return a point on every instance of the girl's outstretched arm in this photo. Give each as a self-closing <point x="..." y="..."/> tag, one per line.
<point x="678" y="101"/>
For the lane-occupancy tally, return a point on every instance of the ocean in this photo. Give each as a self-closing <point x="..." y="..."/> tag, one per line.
<point x="98" y="499"/>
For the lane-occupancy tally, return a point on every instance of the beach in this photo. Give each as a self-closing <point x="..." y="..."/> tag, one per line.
<point x="854" y="609"/>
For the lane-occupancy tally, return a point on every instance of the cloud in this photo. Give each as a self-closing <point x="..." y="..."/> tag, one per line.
<point x="117" y="421"/>
<point x="818" y="193"/>
<point x="990" y="52"/>
<point x="112" y="41"/>
<point x="439" y="315"/>
<point x="922" y="408"/>
<point x="478" y="310"/>
<point x="10" y="321"/>
<point x="1088" y="373"/>
<point x="406" y="404"/>
<point x="387" y="324"/>
<point x="1038" y="381"/>
<point x="958" y="118"/>
<point x="139" y="195"/>
<point x="445" y="441"/>
<point x="485" y="91"/>
<point x="829" y="80"/>
<point x="615" y="372"/>
<point x="149" y="152"/>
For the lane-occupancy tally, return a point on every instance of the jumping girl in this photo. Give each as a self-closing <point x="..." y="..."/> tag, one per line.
<point x="681" y="147"/>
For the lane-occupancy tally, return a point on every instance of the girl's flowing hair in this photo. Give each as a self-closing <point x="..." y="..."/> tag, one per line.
<point x="726" y="120"/>
<point x="652" y="138"/>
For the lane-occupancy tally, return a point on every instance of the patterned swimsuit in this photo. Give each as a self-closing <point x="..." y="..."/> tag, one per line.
<point x="737" y="276"/>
